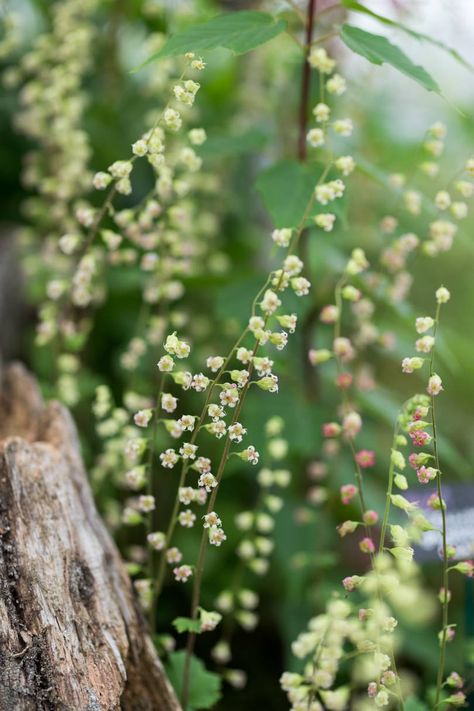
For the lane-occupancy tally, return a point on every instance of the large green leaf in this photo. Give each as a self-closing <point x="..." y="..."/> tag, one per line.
<point x="224" y="145"/>
<point x="358" y="7"/>
<point x="379" y="50"/>
<point x="238" y="31"/>
<point x="205" y="686"/>
<point x="286" y="189"/>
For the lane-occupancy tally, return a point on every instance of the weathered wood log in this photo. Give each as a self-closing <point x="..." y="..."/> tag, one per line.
<point x="71" y="633"/>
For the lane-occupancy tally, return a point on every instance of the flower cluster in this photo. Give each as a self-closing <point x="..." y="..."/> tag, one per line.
<point x="238" y="604"/>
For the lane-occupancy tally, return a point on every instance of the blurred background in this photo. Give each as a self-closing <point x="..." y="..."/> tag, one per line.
<point x="248" y="106"/>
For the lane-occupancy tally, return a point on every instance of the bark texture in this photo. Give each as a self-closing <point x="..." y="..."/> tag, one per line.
<point x="71" y="633"/>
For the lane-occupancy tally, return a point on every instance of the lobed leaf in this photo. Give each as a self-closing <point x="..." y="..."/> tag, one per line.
<point x="205" y="686"/>
<point x="186" y="624"/>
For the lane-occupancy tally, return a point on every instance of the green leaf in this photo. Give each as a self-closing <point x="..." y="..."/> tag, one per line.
<point x="226" y="145"/>
<point x="358" y="7"/>
<point x="186" y="624"/>
<point x="286" y="190"/>
<point x="379" y="50"/>
<point x="204" y="688"/>
<point x="238" y="31"/>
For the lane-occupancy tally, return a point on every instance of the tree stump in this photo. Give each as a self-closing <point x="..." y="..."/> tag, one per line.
<point x="72" y="636"/>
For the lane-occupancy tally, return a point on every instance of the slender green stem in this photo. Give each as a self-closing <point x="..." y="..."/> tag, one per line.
<point x="185" y="466"/>
<point x="445" y="563"/>
<point x="358" y="472"/>
<point x="151" y="490"/>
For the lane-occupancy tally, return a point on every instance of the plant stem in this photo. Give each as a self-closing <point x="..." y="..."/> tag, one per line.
<point x="225" y="454"/>
<point x="151" y="486"/>
<point x="358" y="475"/>
<point x="445" y="575"/>
<point x="305" y="81"/>
<point x="185" y="468"/>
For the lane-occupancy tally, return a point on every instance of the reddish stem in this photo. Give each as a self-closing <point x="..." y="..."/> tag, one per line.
<point x="306" y="81"/>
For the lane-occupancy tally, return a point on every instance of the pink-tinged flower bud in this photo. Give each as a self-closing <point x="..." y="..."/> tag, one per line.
<point x="420" y="413"/>
<point x="372" y="690"/>
<point x="389" y="678"/>
<point x="348" y="491"/>
<point x="365" y="458"/>
<point x="367" y="545"/>
<point x="424" y="323"/>
<point x="435" y="385"/>
<point x="351" y="582"/>
<point x="411" y="364"/>
<point x="443" y="596"/>
<point x="466" y="567"/>
<point x="343" y="349"/>
<point x="329" y="314"/>
<point x="419" y="438"/>
<point x="457" y="699"/>
<point x="364" y="614"/>
<point x="455" y="680"/>
<point x="316" y="357"/>
<point x="331" y="429"/>
<point x="347" y="527"/>
<point x="418" y="459"/>
<point x="435" y="503"/>
<point x="344" y="381"/>
<point x="450" y="634"/>
<point x="426" y="474"/>
<point x="371" y="517"/>
<point x="352" y="424"/>
<point x="424" y="344"/>
<point x="450" y="552"/>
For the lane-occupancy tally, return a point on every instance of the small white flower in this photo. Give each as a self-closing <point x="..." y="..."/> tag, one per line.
<point x="300" y="286"/>
<point x="208" y="481"/>
<point x="186" y="495"/>
<point x="183" y="573"/>
<point x="343" y="127"/>
<point x="211" y="519"/>
<point x="315" y="137"/>
<point x="203" y="465"/>
<point x="173" y="555"/>
<point x="166" y="364"/>
<point x="215" y="411"/>
<point x="187" y="518"/>
<point x="215" y="363"/>
<point x="236" y="432"/>
<point x="282" y="237"/>
<point x="336" y="85"/>
<point x="146" y="503"/>
<point x="157" y="540"/>
<point x="168" y="402"/>
<point x="188" y="450"/>
<point x="321" y="112"/>
<point x="216" y="536"/>
<point x="168" y="458"/>
<point x="199" y="382"/>
<point x="229" y="396"/>
<point x="435" y="385"/>
<point x="424" y="323"/>
<point x="186" y="422"/>
<point x="140" y="148"/>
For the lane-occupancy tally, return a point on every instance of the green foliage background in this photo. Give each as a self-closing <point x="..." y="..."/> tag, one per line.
<point x="249" y="106"/>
